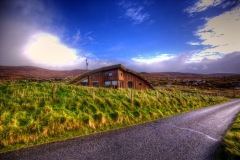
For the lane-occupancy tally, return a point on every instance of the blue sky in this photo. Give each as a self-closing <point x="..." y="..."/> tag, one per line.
<point x="199" y="36"/>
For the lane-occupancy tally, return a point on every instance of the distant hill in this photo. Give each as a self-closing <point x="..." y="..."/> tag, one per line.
<point x="222" y="74"/>
<point x="17" y="72"/>
<point x="157" y="75"/>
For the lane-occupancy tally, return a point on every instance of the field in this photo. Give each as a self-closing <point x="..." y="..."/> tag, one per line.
<point x="230" y="148"/>
<point x="229" y="93"/>
<point x="35" y="113"/>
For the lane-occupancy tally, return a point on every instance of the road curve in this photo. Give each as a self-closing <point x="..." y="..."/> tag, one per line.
<point x="193" y="135"/>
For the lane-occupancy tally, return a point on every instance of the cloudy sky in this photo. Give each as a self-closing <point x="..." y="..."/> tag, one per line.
<point x="198" y="36"/>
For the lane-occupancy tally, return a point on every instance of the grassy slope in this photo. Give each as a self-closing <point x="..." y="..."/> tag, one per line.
<point x="230" y="148"/>
<point x="30" y="116"/>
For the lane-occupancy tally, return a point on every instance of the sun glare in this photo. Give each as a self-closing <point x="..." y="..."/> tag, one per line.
<point x="47" y="49"/>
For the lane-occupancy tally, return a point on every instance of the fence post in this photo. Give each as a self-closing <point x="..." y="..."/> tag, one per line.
<point x="131" y="96"/>
<point x="93" y="94"/>
<point x="54" y="92"/>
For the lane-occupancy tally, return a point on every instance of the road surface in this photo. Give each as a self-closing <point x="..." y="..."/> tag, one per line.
<point x="192" y="135"/>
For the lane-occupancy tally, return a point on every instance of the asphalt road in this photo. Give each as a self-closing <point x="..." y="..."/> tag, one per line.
<point x="193" y="135"/>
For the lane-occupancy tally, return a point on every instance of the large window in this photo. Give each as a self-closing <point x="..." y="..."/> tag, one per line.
<point x="130" y="84"/>
<point x="95" y="84"/>
<point x="84" y="82"/>
<point x="114" y="84"/>
<point x="108" y="84"/>
<point x="111" y="84"/>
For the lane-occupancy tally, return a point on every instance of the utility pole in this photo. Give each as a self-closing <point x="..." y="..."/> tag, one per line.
<point x="86" y="65"/>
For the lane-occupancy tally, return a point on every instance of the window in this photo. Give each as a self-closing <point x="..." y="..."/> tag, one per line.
<point x="114" y="84"/>
<point x="84" y="82"/>
<point x="140" y="83"/>
<point x="95" y="84"/>
<point x="107" y="84"/>
<point x="110" y="74"/>
<point x="130" y="84"/>
<point x="111" y="84"/>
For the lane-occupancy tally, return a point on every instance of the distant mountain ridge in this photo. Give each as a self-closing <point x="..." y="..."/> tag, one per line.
<point x="222" y="74"/>
<point x="184" y="75"/>
<point x="18" y="72"/>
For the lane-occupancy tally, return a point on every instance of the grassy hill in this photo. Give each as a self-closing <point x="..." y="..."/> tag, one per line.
<point x="35" y="113"/>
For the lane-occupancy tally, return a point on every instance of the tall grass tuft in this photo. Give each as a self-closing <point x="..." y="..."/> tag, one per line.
<point x="230" y="148"/>
<point x="30" y="114"/>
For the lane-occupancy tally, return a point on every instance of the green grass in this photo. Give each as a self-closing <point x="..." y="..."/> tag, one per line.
<point x="30" y="116"/>
<point x="230" y="148"/>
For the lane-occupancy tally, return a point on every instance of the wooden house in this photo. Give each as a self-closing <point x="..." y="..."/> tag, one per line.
<point x="116" y="76"/>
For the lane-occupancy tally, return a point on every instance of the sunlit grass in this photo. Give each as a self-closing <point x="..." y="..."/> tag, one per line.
<point x="30" y="115"/>
<point x="230" y="148"/>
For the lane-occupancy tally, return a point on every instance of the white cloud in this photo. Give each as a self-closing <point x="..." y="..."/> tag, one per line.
<point x="77" y="37"/>
<point x="90" y="38"/>
<point x="227" y="64"/>
<point x="220" y="35"/>
<point x="151" y="22"/>
<point x="87" y="36"/>
<point x="158" y="58"/>
<point x="224" y="5"/>
<point x="117" y="47"/>
<point x="135" y="12"/>
<point x="126" y="4"/>
<point x="21" y="25"/>
<point x="47" y="49"/>
<point x="202" y="5"/>
<point x="194" y="43"/>
<point x="148" y="2"/>
<point x="136" y="15"/>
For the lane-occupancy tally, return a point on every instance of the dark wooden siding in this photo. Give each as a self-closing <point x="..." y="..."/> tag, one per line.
<point x="102" y="77"/>
<point x="114" y="76"/>
<point x="120" y="76"/>
<point x="98" y="77"/>
<point x="137" y="83"/>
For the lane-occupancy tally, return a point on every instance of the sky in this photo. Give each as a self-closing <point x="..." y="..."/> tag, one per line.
<point x="194" y="36"/>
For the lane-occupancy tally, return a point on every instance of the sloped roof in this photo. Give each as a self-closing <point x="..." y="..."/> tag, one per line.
<point x="118" y="66"/>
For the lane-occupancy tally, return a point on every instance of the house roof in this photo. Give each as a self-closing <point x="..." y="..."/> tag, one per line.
<point x="118" y="66"/>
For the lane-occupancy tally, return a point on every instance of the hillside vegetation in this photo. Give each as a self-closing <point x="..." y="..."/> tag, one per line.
<point x="230" y="148"/>
<point x="35" y="113"/>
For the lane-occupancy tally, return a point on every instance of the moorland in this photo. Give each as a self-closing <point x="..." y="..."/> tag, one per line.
<point x="38" y="106"/>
